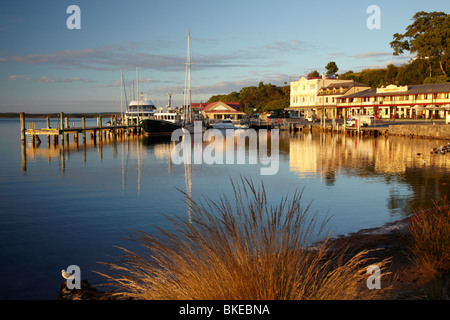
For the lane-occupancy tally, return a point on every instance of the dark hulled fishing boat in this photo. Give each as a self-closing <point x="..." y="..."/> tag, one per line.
<point x="163" y="123"/>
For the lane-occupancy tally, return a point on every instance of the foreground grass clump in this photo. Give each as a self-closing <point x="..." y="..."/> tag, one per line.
<point x="241" y="249"/>
<point x="430" y="233"/>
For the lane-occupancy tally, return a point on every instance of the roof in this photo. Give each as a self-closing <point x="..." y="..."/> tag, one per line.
<point x="412" y="89"/>
<point x="231" y="107"/>
<point x="200" y="105"/>
<point x="346" y="86"/>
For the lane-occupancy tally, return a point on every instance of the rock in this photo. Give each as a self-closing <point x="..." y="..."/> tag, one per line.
<point x="86" y="292"/>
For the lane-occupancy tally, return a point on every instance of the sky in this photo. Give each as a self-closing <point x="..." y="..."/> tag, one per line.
<point x="47" y="67"/>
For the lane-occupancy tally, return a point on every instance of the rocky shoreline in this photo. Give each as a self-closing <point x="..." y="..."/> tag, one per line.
<point x="406" y="280"/>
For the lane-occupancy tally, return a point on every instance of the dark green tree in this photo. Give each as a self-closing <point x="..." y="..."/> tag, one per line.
<point x="313" y="74"/>
<point x="428" y="36"/>
<point x="332" y="68"/>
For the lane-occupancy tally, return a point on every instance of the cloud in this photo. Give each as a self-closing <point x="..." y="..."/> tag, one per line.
<point x="127" y="83"/>
<point x="7" y="22"/>
<point x="112" y="58"/>
<point x="135" y="53"/>
<point x="287" y="46"/>
<point x="104" y="58"/>
<point x="59" y="80"/>
<point x="19" y="77"/>
<point x="45" y="79"/>
<point x="371" y="55"/>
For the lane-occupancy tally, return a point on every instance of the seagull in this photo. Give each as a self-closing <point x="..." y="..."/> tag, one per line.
<point x="65" y="274"/>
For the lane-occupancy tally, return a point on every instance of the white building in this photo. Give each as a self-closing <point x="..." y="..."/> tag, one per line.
<point x="309" y="98"/>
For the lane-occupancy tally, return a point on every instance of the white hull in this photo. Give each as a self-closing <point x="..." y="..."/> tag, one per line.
<point x="228" y="125"/>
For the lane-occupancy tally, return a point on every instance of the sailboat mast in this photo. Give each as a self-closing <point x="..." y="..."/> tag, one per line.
<point x="138" y="96"/>
<point x="121" y="94"/>
<point x="189" y="76"/>
<point x="187" y="103"/>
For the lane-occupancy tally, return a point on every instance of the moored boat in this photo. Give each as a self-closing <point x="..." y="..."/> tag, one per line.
<point x="143" y="109"/>
<point x="228" y="124"/>
<point x="162" y="123"/>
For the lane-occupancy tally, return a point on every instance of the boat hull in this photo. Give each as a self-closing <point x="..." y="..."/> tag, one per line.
<point x="233" y="127"/>
<point x="153" y="127"/>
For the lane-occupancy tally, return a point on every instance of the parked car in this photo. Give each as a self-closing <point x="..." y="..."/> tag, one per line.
<point x="365" y="121"/>
<point x="313" y="119"/>
<point x="351" y="122"/>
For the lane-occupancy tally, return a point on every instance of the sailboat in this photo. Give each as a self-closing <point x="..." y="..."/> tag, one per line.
<point x="139" y="108"/>
<point x="160" y="123"/>
<point x="189" y="123"/>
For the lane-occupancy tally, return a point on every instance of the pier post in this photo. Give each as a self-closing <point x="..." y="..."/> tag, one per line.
<point x="67" y="126"/>
<point x="61" y="127"/>
<point x="48" y="127"/>
<point x="22" y="127"/>
<point x="24" y="156"/>
<point x="99" y="125"/>
<point x="93" y="137"/>
<point x="83" y="126"/>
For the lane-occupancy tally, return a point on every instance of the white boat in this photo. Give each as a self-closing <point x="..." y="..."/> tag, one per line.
<point x="142" y="109"/>
<point x="228" y="124"/>
<point x="193" y="128"/>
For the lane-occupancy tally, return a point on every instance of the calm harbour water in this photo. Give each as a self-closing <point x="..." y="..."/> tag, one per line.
<point x="59" y="211"/>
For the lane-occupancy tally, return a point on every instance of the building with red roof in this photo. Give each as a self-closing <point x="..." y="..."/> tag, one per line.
<point x="222" y="110"/>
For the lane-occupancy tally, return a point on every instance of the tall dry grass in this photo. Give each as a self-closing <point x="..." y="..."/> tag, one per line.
<point x="242" y="249"/>
<point x="430" y="234"/>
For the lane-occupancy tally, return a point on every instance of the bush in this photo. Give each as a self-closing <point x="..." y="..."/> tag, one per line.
<point x="430" y="232"/>
<point x="242" y="249"/>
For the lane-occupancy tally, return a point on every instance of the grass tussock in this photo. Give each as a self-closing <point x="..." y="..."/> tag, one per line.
<point x="242" y="249"/>
<point x="430" y="234"/>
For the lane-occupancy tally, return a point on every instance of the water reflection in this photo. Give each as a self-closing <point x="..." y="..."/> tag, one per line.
<point x="401" y="160"/>
<point x="398" y="162"/>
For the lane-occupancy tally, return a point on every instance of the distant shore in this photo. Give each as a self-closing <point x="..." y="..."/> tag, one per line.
<point x="10" y="115"/>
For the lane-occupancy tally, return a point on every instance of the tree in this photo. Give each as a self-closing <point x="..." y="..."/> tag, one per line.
<point x="392" y="72"/>
<point x="428" y="36"/>
<point x="264" y="97"/>
<point x="313" y="74"/>
<point x="331" y="69"/>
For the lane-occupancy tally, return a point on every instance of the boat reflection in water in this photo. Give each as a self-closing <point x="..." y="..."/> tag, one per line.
<point x="401" y="167"/>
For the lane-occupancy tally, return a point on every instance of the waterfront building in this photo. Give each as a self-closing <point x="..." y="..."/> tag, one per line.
<point x="317" y="96"/>
<point x="196" y="109"/>
<point x="217" y="111"/>
<point x="428" y="101"/>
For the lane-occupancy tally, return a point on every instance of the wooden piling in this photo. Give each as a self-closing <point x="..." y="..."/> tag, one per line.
<point x="61" y="126"/>
<point x="99" y="125"/>
<point x="22" y="127"/>
<point x="83" y="126"/>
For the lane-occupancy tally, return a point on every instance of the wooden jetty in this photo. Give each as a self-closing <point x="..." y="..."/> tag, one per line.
<point x="340" y="128"/>
<point x="31" y="134"/>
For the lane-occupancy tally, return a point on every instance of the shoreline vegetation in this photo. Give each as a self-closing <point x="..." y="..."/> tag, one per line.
<point x="250" y="250"/>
